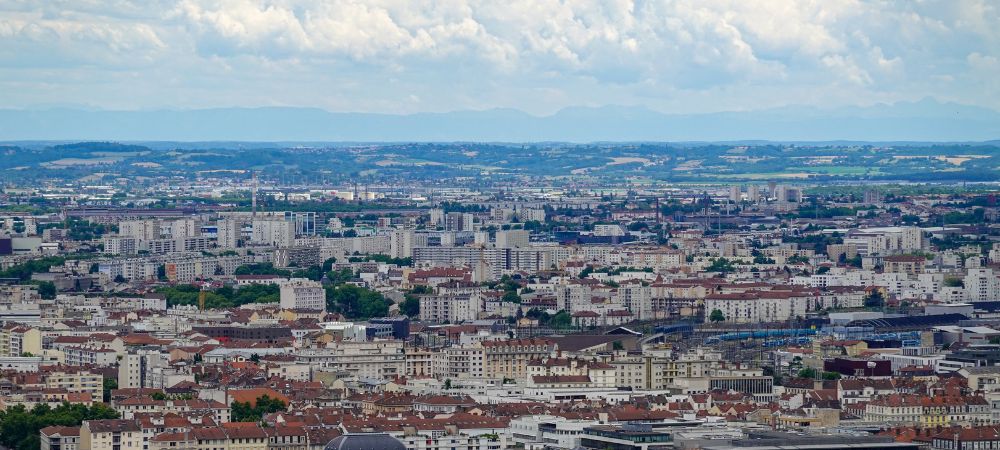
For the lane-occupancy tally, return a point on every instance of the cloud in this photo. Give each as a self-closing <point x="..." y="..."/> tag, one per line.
<point x="537" y="55"/>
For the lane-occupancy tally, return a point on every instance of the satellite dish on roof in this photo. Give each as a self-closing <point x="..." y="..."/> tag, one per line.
<point x="871" y="364"/>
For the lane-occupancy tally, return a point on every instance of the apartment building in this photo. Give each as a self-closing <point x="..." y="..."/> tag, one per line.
<point x="755" y="307"/>
<point x="420" y="362"/>
<point x="132" y="406"/>
<point x="141" y="230"/>
<point x="59" y="438"/>
<point x="81" y="356"/>
<point x="192" y="269"/>
<point x="74" y="380"/>
<point x="511" y="238"/>
<point x="300" y="293"/>
<point x="298" y="256"/>
<point x="137" y="368"/>
<point x="450" y="308"/>
<point x="20" y="340"/>
<point x="112" y="434"/>
<point x="273" y="231"/>
<point x="375" y="359"/>
<point x="564" y="372"/>
<point x="120" y="245"/>
<point x="910" y="265"/>
<point x="228" y="233"/>
<point x="401" y="243"/>
<point x="981" y="285"/>
<point x="928" y="411"/>
<point x="465" y="361"/>
<point x="510" y="358"/>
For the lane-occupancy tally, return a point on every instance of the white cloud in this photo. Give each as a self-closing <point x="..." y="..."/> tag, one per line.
<point x="537" y="55"/>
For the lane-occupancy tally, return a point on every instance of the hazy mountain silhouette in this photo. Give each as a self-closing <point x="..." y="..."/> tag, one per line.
<point x="925" y="120"/>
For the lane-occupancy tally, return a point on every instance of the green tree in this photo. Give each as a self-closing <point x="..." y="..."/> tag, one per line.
<point x="721" y="265"/>
<point x="761" y="259"/>
<point x="261" y="269"/>
<point x="110" y="384"/>
<point x="224" y="297"/>
<point x="82" y="230"/>
<point x="831" y="375"/>
<point x="410" y="305"/>
<point x="314" y="273"/>
<point x="356" y="302"/>
<point x="340" y="276"/>
<point x="808" y="372"/>
<point x="638" y="226"/>
<point x="561" y="319"/>
<point x="856" y="261"/>
<point x="263" y="405"/>
<point x="511" y="297"/>
<point x="797" y="259"/>
<point x="383" y="259"/>
<point x="716" y="316"/>
<point x="19" y="426"/>
<point x="954" y="282"/>
<point x="24" y="270"/>
<point x="242" y="412"/>
<point x="874" y="299"/>
<point x="421" y="289"/>
<point x="46" y="290"/>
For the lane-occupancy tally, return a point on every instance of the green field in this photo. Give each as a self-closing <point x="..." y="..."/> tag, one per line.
<point x="837" y="170"/>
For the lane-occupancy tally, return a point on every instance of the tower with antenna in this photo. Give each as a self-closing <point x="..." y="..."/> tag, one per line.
<point x="253" y="196"/>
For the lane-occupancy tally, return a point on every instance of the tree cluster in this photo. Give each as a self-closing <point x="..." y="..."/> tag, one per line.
<point x="561" y="319"/>
<point x="224" y="297"/>
<point x="356" y="302"/>
<point x="245" y="412"/>
<point x="721" y="265"/>
<point x="23" y="271"/>
<point x="411" y="300"/>
<point x="19" y="426"/>
<point x="386" y="259"/>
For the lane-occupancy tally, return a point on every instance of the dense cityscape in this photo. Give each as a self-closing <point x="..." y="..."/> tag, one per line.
<point x="513" y="225"/>
<point x="274" y="307"/>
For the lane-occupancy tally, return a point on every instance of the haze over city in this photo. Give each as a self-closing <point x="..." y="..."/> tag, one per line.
<point x="822" y="60"/>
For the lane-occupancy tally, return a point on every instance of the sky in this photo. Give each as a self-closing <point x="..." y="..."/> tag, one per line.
<point x="408" y="56"/>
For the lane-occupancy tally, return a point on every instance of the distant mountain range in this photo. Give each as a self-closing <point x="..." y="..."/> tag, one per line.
<point x="924" y="121"/>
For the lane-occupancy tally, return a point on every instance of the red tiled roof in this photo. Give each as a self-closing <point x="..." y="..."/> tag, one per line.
<point x="251" y="395"/>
